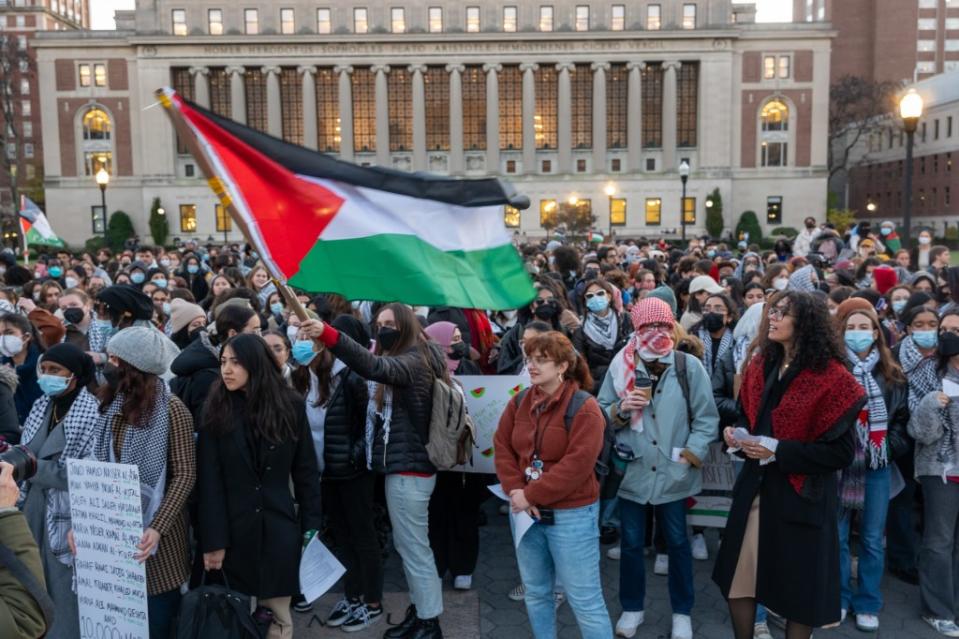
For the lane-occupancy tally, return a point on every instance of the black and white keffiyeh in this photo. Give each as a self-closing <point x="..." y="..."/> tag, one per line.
<point x="372" y="412"/>
<point x="602" y="330"/>
<point x="920" y="371"/>
<point x="725" y="343"/>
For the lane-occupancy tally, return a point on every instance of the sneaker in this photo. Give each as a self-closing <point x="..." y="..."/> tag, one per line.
<point x="945" y="627"/>
<point x="362" y="617"/>
<point x="559" y="598"/>
<point x="700" y="551"/>
<point x="761" y="631"/>
<point x="518" y="593"/>
<point x="661" y="567"/>
<point x="867" y="623"/>
<point x="341" y="612"/>
<point x="463" y="582"/>
<point x="682" y="627"/>
<point x="303" y="606"/>
<point x="615" y="553"/>
<point x="628" y="623"/>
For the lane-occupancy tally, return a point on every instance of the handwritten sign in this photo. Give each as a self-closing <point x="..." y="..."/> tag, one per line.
<point x="718" y="470"/>
<point x="107" y="525"/>
<point x="486" y="399"/>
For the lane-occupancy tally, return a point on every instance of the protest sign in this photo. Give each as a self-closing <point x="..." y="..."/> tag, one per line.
<point x="107" y="526"/>
<point x="319" y="570"/>
<point x="486" y="399"/>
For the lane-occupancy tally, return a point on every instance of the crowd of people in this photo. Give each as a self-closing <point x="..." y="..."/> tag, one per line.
<point x="827" y="367"/>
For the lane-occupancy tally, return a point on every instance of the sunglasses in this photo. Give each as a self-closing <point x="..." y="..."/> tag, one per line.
<point x="590" y="296"/>
<point x="539" y="301"/>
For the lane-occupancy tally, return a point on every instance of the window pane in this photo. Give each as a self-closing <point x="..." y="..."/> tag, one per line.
<point x="617" y="97"/>
<point x="291" y="101"/>
<point x="548" y="209"/>
<point x="510" y="108"/>
<point x="546" y="18"/>
<point x="400" y="109"/>
<point x="775" y="116"/>
<point x="654" y="17"/>
<point x="472" y="19"/>
<point x="689" y="210"/>
<point x="582" y="18"/>
<point x="254" y="82"/>
<point x="509" y="19"/>
<point x="327" y="110"/>
<point x="215" y="21"/>
<point x="324" y="24"/>
<point x="95" y="160"/>
<point x="618" y="21"/>
<point x="617" y="212"/>
<point x="188" y="218"/>
<point x="224" y="223"/>
<point x="581" y="81"/>
<point x="360" y="24"/>
<point x="769" y="67"/>
<point x="544" y="118"/>
<point x="100" y="74"/>
<point x="511" y="217"/>
<point x="96" y="125"/>
<point x="689" y="16"/>
<point x="84" y="75"/>
<point x="774" y="209"/>
<point x="364" y="110"/>
<point x="220" y="92"/>
<point x="182" y="84"/>
<point x="652" y="112"/>
<point x="437" y="93"/>
<point x="251" y="20"/>
<point x="179" y="22"/>
<point x="474" y="109"/>
<point x="688" y="102"/>
<point x="287" y="23"/>
<point x="397" y="20"/>
<point x="784" y="67"/>
<point x="436" y="19"/>
<point x="654" y="211"/>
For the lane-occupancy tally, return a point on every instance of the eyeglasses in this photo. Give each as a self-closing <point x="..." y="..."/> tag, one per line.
<point x="777" y="313"/>
<point x="590" y="296"/>
<point x="539" y="361"/>
<point x="658" y="326"/>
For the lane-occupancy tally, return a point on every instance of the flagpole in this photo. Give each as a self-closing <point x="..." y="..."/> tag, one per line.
<point x="190" y="140"/>
<point x="23" y="236"/>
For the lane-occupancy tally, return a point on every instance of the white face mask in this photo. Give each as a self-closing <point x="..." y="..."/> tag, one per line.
<point x="291" y="332"/>
<point x="10" y="345"/>
<point x="781" y="283"/>
<point x="71" y="282"/>
<point x="924" y="240"/>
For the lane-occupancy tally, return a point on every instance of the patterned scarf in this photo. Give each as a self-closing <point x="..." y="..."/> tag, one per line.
<point x="870" y="430"/>
<point x="623" y="367"/>
<point x="372" y="412"/>
<point x="920" y="371"/>
<point x="602" y="330"/>
<point x="947" y="454"/>
<point x="725" y="343"/>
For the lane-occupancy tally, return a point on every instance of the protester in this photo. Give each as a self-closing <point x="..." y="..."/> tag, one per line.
<point x="20" y="348"/>
<point x="604" y="331"/>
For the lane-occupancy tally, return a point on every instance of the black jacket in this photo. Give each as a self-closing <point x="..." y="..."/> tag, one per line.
<point x="412" y="381"/>
<point x="724" y="377"/>
<point x="196" y="368"/>
<point x="598" y="357"/>
<point x="896" y="397"/>
<point x="9" y="423"/>
<point x="344" y="430"/>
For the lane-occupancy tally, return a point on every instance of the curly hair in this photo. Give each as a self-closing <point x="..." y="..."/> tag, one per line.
<point x="815" y="341"/>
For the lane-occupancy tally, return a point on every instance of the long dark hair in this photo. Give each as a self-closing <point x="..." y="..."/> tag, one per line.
<point x="233" y="317"/>
<point x="139" y="392"/>
<point x="887" y="366"/>
<point x="816" y="343"/>
<point x="411" y="335"/>
<point x="272" y="408"/>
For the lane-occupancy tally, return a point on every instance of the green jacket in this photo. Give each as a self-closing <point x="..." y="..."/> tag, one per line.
<point x="653" y="477"/>
<point x="20" y="614"/>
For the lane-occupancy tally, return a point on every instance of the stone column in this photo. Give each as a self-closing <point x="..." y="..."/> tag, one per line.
<point x="382" y="115"/>
<point x="669" y="115"/>
<point x="456" y="163"/>
<point x="564" y="117"/>
<point x="237" y="94"/>
<point x="599" y="116"/>
<point x="201" y="86"/>
<point x="634" y="116"/>
<point x="345" y="95"/>
<point x="309" y="106"/>
<point x="274" y="106"/>
<point x="529" y="116"/>
<point x="492" y="116"/>
<point x="419" y="116"/>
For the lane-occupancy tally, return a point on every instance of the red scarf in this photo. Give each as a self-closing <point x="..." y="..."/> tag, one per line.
<point x="812" y="405"/>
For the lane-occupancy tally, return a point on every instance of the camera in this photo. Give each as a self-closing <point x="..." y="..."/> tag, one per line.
<point x="22" y="459"/>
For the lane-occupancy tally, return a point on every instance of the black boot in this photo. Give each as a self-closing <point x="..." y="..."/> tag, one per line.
<point x="426" y="629"/>
<point x="405" y="627"/>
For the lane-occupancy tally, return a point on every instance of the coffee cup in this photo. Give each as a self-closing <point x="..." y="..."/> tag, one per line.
<point x="645" y="386"/>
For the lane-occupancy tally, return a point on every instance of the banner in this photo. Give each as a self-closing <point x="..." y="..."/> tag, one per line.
<point x="486" y="399"/>
<point x="107" y="526"/>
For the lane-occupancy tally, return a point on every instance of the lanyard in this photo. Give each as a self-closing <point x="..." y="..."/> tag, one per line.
<point x="535" y="470"/>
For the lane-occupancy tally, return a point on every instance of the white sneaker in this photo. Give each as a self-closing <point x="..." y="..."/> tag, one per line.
<point x="628" y="623"/>
<point x="867" y="623"/>
<point x="700" y="551"/>
<point x="682" y="627"/>
<point x="761" y="631"/>
<point x="518" y="593"/>
<point x="463" y="582"/>
<point x="944" y="627"/>
<point x="842" y="615"/>
<point x="661" y="567"/>
<point x="615" y="553"/>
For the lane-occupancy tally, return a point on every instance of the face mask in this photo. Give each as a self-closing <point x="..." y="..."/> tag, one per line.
<point x="810" y="225"/>
<point x="303" y="352"/>
<point x="924" y="240"/>
<point x="546" y="311"/>
<point x="899" y="305"/>
<point x="713" y="322"/>
<point x="276" y="308"/>
<point x="291" y="332"/>
<point x="655" y="344"/>
<point x="885" y="231"/>
<point x="55" y="271"/>
<point x="710" y="253"/>
<point x="137" y="278"/>
<point x="781" y="283"/>
<point x="71" y="282"/>
<point x="597" y="303"/>
<point x="859" y="341"/>
<point x="74" y="315"/>
<point x="161" y="283"/>
<point x="387" y="338"/>
<point x="925" y="339"/>
<point x="166" y="308"/>
<point x="10" y="345"/>
<point x="53" y="385"/>
<point x="192" y="269"/>
<point x="949" y="344"/>
<point x="458" y="351"/>
<point x="165" y="263"/>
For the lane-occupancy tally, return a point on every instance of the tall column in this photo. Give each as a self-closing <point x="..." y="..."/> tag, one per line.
<point x="345" y="93"/>
<point x="456" y="163"/>
<point x="529" y="116"/>
<point x="309" y="106"/>
<point x="669" y="115"/>
<point x="599" y="116"/>
<point x="564" y="117"/>
<point x="382" y="115"/>
<point x="419" y="117"/>
<point x="201" y="86"/>
<point x="274" y="106"/>
<point x="492" y="116"/>
<point x="634" y="116"/>
<point x="237" y="94"/>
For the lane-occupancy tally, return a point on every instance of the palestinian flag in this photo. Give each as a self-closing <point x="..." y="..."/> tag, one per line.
<point x="35" y="227"/>
<point x="324" y="225"/>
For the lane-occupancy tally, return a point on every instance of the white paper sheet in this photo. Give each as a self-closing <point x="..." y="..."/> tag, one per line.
<point x="520" y="522"/>
<point x="950" y="388"/>
<point x="319" y="570"/>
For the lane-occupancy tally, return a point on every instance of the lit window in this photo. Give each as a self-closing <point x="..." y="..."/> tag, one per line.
<point x="775" y="116"/>
<point x="769" y="67"/>
<point x="324" y="23"/>
<point x="654" y="211"/>
<point x="654" y="17"/>
<point x="582" y="17"/>
<point x="251" y="20"/>
<point x="436" y="19"/>
<point x="96" y="125"/>
<point x="774" y="146"/>
<point x="689" y="210"/>
<point x="511" y="217"/>
<point x="188" y="218"/>
<point x="179" y="22"/>
<point x="93" y="161"/>
<point x="287" y="23"/>
<point x="397" y="20"/>
<point x="774" y="209"/>
<point x="784" y="64"/>
<point x="617" y="211"/>
<point x="100" y="75"/>
<point x="472" y="19"/>
<point x="360" y="21"/>
<point x="689" y="16"/>
<point x="224" y="223"/>
<point x="548" y="210"/>
<point x="509" y="19"/>
<point x="546" y="18"/>
<point x="214" y="18"/>
<point x="618" y="18"/>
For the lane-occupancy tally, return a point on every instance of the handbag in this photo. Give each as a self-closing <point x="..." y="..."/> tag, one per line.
<point x="213" y="611"/>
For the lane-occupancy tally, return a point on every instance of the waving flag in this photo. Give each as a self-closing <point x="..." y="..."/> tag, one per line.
<point x="35" y="226"/>
<point x="325" y="225"/>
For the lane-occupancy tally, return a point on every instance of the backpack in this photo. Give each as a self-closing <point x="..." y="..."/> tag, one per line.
<point x="217" y="612"/>
<point x="452" y="432"/>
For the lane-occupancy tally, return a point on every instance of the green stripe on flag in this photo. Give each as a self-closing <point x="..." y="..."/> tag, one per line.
<point x="406" y="269"/>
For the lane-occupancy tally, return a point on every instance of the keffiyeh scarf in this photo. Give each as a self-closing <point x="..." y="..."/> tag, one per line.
<point x="602" y="330"/>
<point x="920" y="371"/>
<point x="385" y="413"/>
<point x="871" y="429"/>
<point x="725" y="343"/>
<point x="623" y="366"/>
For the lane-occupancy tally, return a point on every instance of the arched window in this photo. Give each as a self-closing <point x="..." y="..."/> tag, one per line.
<point x="96" y="125"/>
<point x="96" y="140"/>
<point x="775" y="116"/>
<point x="774" y="134"/>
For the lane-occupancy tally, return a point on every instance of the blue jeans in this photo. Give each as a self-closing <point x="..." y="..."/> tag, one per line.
<point x="566" y="551"/>
<point x="162" y="610"/>
<point x="761" y="616"/>
<point x="632" y="565"/>
<point x="408" y="500"/>
<point x="867" y="598"/>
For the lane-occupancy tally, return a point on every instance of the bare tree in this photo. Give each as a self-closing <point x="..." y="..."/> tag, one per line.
<point x="858" y="109"/>
<point x="15" y="66"/>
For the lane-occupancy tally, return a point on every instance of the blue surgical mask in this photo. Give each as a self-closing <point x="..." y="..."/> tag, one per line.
<point x="597" y="303"/>
<point x="925" y="339"/>
<point x="55" y="271"/>
<point x="276" y="308"/>
<point x="192" y="269"/>
<point x="53" y="385"/>
<point x="885" y="230"/>
<point x="137" y="278"/>
<point x="899" y="305"/>
<point x="167" y="308"/>
<point x="160" y="283"/>
<point x="303" y="352"/>
<point x="859" y="341"/>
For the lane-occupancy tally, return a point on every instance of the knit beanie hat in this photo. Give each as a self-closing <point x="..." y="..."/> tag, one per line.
<point x="651" y="310"/>
<point x="182" y="313"/>
<point x="885" y="278"/>
<point x="666" y="294"/>
<point x="144" y="348"/>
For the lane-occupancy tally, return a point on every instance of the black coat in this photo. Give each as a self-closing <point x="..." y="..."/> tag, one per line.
<point x="896" y="396"/>
<point x="344" y="429"/>
<point x="412" y="380"/>
<point x="196" y="368"/>
<point x="251" y="512"/>
<point x="724" y="385"/>
<point x="598" y="357"/>
<point x="9" y="423"/>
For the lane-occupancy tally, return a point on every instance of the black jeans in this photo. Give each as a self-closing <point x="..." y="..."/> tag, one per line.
<point x="454" y="521"/>
<point x="902" y="538"/>
<point x="349" y="507"/>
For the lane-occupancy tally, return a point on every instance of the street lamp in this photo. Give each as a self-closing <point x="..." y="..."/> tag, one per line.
<point x="910" y="110"/>
<point x="684" y="176"/>
<point x="103" y="179"/>
<point x="610" y="192"/>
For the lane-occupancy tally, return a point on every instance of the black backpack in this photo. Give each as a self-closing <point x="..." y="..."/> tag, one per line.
<point x="217" y="612"/>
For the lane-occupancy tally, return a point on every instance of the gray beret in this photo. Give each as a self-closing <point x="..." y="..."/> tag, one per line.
<point x="144" y="348"/>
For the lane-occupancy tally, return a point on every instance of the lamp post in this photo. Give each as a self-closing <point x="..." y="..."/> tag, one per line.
<point x="610" y="192"/>
<point x="103" y="179"/>
<point x="683" y="176"/>
<point x="910" y="110"/>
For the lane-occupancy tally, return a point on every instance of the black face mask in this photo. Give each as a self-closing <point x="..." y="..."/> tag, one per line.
<point x="810" y="225"/>
<point x="590" y="274"/>
<point x="713" y="322"/>
<point x="458" y="350"/>
<point x="387" y="338"/>
<point x="74" y="315"/>
<point x="112" y="374"/>
<point x="547" y="311"/>
<point x="948" y="344"/>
